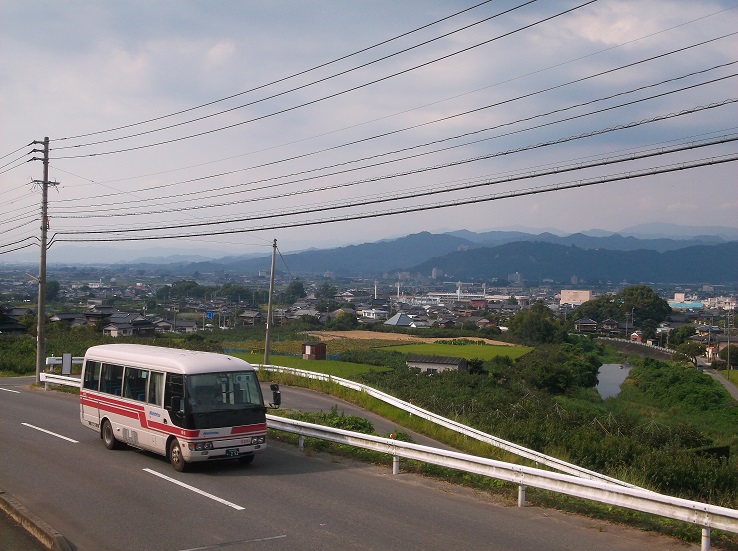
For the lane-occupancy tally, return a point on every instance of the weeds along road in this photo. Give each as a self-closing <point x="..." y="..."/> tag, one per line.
<point x="286" y="500"/>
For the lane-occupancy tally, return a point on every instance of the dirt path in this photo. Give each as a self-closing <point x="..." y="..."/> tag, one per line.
<point x="371" y="335"/>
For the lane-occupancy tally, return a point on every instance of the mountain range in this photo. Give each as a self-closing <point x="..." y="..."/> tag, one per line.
<point x="466" y="255"/>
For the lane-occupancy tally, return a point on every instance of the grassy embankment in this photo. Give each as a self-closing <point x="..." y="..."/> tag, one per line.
<point x="693" y="402"/>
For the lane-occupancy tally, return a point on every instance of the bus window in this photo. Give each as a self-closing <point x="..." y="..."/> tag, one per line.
<point x="156" y="381"/>
<point x="135" y="383"/>
<point x="92" y="375"/>
<point x="111" y="379"/>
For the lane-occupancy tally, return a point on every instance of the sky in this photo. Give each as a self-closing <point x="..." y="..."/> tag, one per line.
<point x="217" y="127"/>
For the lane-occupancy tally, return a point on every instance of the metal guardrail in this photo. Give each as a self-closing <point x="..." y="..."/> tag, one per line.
<point x="53" y="379"/>
<point x="706" y="516"/>
<point x="644" y="344"/>
<point x="701" y="514"/>
<point x="455" y="426"/>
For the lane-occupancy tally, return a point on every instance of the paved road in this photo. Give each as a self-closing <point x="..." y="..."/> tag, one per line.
<point x="286" y="500"/>
<point x="729" y="386"/>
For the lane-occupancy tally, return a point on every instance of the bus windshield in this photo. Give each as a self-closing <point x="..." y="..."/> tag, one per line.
<point x="223" y="399"/>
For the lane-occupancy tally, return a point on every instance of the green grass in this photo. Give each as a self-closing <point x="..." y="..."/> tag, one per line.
<point x="469" y="351"/>
<point x="344" y="370"/>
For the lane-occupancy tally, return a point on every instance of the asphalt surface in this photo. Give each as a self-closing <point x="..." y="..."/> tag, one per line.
<point x="569" y="531"/>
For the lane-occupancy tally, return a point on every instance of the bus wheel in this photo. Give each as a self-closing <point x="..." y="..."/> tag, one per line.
<point x="108" y="437"/>
<point x="175" y="456"/>
<point x="246" y="459"/>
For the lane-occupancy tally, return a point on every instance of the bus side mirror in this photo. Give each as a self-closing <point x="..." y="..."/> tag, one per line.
<point x="276" y="396"/>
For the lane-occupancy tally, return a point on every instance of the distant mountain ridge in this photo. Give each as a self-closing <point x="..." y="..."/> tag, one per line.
<point x="537" y="261"/>
<point x="614" y="241"/>
<point x="466" y="255"/>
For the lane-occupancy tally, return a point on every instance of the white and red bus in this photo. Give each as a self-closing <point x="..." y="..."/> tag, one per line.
<point x="188" y="406"/>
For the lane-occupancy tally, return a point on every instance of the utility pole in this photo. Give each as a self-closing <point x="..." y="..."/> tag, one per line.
<point x="269" y="307"/>
<point x="41" y="306"/>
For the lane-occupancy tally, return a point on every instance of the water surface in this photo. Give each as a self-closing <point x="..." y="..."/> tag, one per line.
<point x="610" y="377"/>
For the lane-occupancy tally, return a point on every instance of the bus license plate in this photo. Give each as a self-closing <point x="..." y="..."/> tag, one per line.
<point x="231" y="452"/>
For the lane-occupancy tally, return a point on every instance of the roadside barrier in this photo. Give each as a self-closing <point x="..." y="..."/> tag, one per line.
<point x="706" y="516"/>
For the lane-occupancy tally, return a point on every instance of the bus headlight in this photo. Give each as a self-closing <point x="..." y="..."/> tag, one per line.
<point x="258" y="439"/>
<point x="200" y="446"/>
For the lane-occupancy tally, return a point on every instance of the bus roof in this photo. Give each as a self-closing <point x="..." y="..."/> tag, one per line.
<point x="166" y="359"/>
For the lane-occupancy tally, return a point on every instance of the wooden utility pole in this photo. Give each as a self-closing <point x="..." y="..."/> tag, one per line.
<point x="269" y="307"/>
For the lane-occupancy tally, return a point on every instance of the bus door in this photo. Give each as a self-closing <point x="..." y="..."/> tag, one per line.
<point x="156" y="417"/>
<point x="90" y="405"/>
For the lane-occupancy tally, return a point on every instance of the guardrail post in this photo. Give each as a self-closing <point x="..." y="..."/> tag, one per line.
<point x="395" y="464"/>
<point x="705" y="539"/>
<point x="521" y="496"/>
<point x="301" y="442"/>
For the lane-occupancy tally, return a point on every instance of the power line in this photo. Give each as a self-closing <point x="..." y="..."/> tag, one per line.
<point x="318" y="100"/>
<point x="497" y="104"/>
<point x="410" y="195"/>
<point x="175" y="125"/>
<point x="525" y="75"/>
<point x="300" y="73"/>
<point x="454" y="163"/>
<point x="461" y="202"/>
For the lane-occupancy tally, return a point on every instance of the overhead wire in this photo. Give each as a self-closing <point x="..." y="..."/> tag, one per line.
<point x="525" y="75"/>
<point x="282" y="79"/>
<point x="426" y="144"/>
<point x="413" y="194"/>
<point x="175" y="125"/>
<point x="199" y="195"/>
<point x="407" y="210"/>
<point x="323" y="98"/>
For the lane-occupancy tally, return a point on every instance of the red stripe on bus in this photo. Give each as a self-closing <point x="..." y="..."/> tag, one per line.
<point x="245" y="429"/>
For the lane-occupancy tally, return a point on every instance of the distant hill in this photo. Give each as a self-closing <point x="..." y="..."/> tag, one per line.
<point x="495" y="254"/>
<point x="613" y="241"/>
<point x="537" y="261"/>
<point x="367" y="259"/>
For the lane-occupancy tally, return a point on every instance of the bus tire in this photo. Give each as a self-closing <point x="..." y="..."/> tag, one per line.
<point x="175" y="456"/>
<point x="246" y="459"/>
<point x="108" y="436"/>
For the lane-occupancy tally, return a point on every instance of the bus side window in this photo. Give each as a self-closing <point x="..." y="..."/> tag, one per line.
<point x="111" y="379"/>
<point x="156" y="380"/>
<point x="135" y="383"/>
<point x="92" y="375"/>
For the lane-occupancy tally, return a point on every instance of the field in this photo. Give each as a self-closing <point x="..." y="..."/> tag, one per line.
<point x="369" y="335"/>
<point x="468" y="351"/>
<point x="345" y="370"/>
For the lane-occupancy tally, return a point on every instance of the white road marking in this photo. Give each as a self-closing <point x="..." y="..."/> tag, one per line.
<point x="196" y="490"/>
<point x="229" y="543"/>
<point x="8" y="390"/>
<point x="49" y="432"/>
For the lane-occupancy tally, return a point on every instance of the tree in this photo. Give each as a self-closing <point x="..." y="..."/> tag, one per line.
<point x="733" y="355"/>
<point x="52" y="290"/>
<point x="640" y="300"/>
<point x="691" y="349"/>
<point x="647" y="307"/>
<point x="182" y="289"/>
<point x="343" y="322"/>
<point x="536" y="325"/>
<point x="326" y="294"/>
<point x="294" y="290"/>
<point x="681" y="334"/>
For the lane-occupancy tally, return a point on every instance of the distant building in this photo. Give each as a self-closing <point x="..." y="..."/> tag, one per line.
<point x="434" y="364"/>
<point x="575" y="297"/>
<point x="400" y="320"/>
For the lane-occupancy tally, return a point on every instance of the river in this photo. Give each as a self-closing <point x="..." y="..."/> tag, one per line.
<point x="610" y="377"/>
